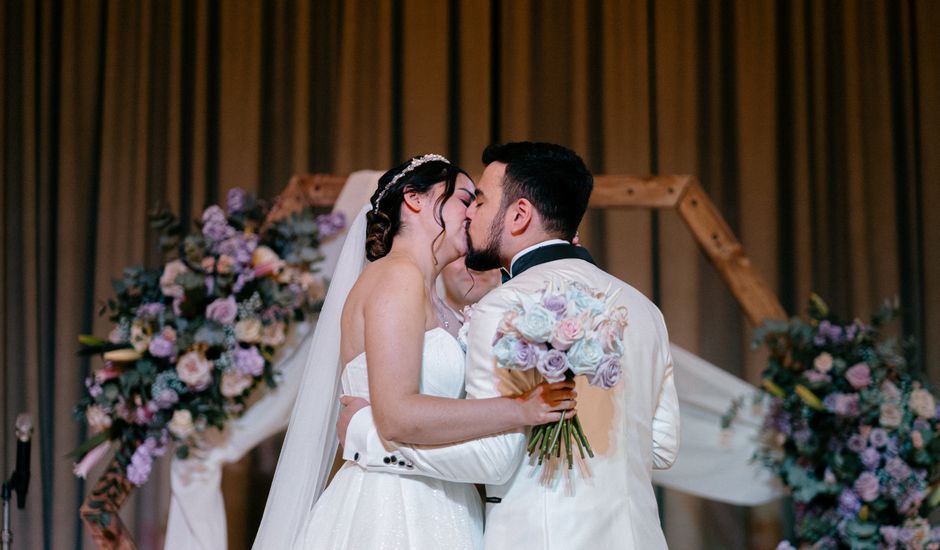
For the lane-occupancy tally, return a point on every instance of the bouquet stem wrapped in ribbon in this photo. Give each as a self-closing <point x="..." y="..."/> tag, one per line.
<point x="563" y="331"/>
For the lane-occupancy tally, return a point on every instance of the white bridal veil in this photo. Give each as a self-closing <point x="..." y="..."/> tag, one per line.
<point x="310" y="444"/>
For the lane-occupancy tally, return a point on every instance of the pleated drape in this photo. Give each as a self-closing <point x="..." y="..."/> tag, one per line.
<point x="814" y="125"/>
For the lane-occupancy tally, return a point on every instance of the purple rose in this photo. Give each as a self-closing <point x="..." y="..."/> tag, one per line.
<point x="239" y="247"/>
<point x="842" y="404"/>
<point x="223" y="310"/>
<point x="153" y="309"/>
<point x="552" y="365"/>
<point x="867" y="486"/>
<point x="802" y="436"/>
<point x="816" y="377"/>
<point x="856" y="443"/>
<point x="608" y="373"/>
<point x="249" y="361"/>
<point x="235" y="200"/>
<point x="878" y="437"/>
<point x="870" y="458"/>
<point x="858" y="375"/>
<point x="142" y="461"/>
<point x="161" y="347"/>
<point x="215" y="227"/>
<point x="898" y="469"/>
<point x="555" y="303"/>
<point x="330" y="224"/>
<point x="242" y="279"/>
<point x="166" y="398"/>
<point x="889" y="534"/>
<point x="849" y="504"/>
<point x="525" y="356"/>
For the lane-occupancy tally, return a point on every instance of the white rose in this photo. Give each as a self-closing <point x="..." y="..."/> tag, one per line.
<point x="235" y="383"/>
<point x="139" y="338"/>
<point x="248" y="330"/>
<point x="168" y="280"/>
<point x="195" y="370"/>
<point x="181" y="425"/>
<point x="823" y="362"/>
<point x="922" y="403"/>
<point x="273" y="334"/>
<point x="585" y="355"/>
<point x="98" y="420"/>
<point x="536" y="324"/>
<point x="891" y="415"/>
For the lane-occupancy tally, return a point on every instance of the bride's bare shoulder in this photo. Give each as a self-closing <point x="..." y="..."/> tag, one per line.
<point x="393" y="274"/>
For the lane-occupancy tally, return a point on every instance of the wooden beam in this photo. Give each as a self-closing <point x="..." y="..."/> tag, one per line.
<point x="635" y="192"/>
<point x="727" y="255"/>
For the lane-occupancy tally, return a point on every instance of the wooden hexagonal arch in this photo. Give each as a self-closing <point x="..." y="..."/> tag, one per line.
<point x="684" y="194"/>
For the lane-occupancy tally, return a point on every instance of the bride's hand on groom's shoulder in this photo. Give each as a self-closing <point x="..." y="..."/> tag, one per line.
<point x="546" y="402"/>
<point x="349" y="407"/>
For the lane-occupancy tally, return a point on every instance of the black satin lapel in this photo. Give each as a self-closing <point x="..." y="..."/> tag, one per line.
<point x="550" y="253"/>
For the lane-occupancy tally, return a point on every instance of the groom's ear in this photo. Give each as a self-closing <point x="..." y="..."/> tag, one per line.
<point x="520" y="215"/>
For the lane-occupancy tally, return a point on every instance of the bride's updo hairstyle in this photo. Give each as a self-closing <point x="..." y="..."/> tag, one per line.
<point x="419" y="174"/>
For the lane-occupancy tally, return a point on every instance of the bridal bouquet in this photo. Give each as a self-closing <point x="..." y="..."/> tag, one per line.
<point x="851" y="431"/>
<point x="563" y="331"/>
<point x="193" y="339"/>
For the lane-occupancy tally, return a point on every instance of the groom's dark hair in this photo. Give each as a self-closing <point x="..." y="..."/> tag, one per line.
<point x="553" y="178"/>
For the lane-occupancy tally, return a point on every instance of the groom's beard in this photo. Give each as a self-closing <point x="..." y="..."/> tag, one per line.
<point x="486" y="258"/>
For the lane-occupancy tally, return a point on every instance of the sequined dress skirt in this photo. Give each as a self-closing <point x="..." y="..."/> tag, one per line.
<point x="380" y="511"/>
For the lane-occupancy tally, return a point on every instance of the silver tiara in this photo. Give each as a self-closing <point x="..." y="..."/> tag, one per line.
<point x="415" y="162"/>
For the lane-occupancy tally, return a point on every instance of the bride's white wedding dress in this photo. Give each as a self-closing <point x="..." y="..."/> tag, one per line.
<point x="372" y="510"/>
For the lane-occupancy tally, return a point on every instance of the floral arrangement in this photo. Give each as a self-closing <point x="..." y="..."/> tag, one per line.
<point x="851" y="432"/>
<point x="561" y="332"/>
<point x="193" y="339"/>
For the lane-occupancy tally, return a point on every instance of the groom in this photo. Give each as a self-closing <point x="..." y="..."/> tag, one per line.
<point x="530" y="201"/>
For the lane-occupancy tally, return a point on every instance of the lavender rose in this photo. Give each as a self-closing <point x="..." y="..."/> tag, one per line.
<point x="858" y="376"/>
<point x="555" y="303"/>
<point x="526" y="355"/>
<point x="878" y="437"/>
<point x="249" y="361"/>
<point x="223" y="310"/>
<point x="162" y="347"/>
<point x="608" y="373"/>
<point x="867" y="486"/>
<point x="235" y="201"/>
<point x="871" y="458"/>
<point x="552" y="365"/>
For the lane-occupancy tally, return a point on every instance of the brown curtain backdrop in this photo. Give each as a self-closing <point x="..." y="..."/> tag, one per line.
<point x="814" y="125"/>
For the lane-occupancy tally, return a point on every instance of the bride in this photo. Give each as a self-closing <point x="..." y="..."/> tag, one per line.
<point x="390" y="313"/>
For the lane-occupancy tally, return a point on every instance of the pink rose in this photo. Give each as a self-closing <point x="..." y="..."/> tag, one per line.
<point x="917" y="439"/>
<point x="223" y="310"/>
<point x="858" y="375"/>
<point x="566" y="333"/>
<point x="235" y="383"/>
<point x="195" y="370"/>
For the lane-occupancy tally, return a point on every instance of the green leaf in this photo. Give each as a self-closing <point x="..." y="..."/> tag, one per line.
<point x="90" y="444"/>
<point x="91" y="340"/>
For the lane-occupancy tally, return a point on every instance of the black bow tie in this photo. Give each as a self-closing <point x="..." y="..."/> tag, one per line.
<point x="545" y="254"/>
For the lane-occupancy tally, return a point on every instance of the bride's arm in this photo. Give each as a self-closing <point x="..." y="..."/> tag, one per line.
<point x="394" y="340"/>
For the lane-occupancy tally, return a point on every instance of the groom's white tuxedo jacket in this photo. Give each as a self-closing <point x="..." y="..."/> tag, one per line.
<point x="604" y="502"/>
